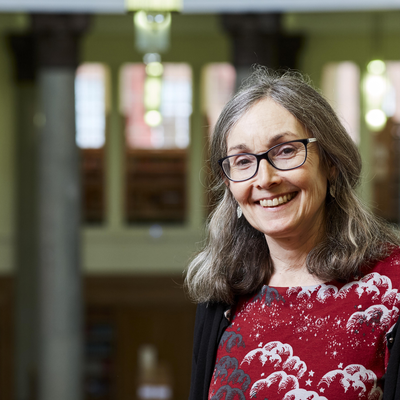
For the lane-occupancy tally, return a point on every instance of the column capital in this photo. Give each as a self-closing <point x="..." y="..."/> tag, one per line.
<point x="251" y="24"/>
<point x="260" y="38"/>
<point x="23" y="49"/>
<point x="57" y="38"/>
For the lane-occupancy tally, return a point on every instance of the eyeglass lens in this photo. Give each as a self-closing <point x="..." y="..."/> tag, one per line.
<point x="285" y="156"/>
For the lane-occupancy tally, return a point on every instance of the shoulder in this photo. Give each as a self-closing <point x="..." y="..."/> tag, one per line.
<point x="390" y="265"/>
<point x="209" y="313"/>
<point x="394" y="257"/>
<point x="210" y="320"/>
<point x="209" y="317"/>
<point x="384" y="276"/>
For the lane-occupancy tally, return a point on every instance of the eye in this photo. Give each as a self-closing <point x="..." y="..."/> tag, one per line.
<point x="286" y="150"/>
<point x="242" y="161"/>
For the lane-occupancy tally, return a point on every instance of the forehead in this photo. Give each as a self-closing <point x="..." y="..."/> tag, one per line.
<point x="263" y="125"/>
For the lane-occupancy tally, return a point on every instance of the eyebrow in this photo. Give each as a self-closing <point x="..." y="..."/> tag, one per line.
<point x="274" y="139"/>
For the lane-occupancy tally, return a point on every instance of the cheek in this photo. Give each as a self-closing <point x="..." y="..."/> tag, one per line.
<point x="239" y="191"/>
<point x="321" y="184"/>
<point x="235" y="194"/>
<point x="314" y="183"/>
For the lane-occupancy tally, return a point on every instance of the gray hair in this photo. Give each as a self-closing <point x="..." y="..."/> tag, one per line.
<point x="235" y="259"/>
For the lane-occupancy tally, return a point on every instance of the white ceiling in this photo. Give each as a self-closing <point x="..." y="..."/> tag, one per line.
<point x="199" y="6"/>
<point x="286" y="5"/>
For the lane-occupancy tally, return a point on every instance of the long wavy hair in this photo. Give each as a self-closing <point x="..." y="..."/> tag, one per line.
<point x="235" y="259"/>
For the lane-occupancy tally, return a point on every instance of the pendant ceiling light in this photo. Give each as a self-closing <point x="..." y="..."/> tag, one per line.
<point x="152" y="26"/>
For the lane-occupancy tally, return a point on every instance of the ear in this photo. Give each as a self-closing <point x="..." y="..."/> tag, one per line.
<point x="225" y="179"/>
<point x="332" y="175"/>
<point x="332" y="171"/>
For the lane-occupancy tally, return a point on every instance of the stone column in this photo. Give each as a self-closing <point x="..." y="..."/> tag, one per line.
<point x="259" y="39"/>
<point x="60" y="330"/>
<point x="22" y="47"/>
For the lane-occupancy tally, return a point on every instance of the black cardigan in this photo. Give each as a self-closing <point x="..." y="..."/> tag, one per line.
<point x="211" y="324"/>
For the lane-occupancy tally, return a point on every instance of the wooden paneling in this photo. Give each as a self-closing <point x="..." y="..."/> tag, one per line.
<point x="122" y="313"/>
<point x="144" y="310"/>
<point x="155" y="186"/>
<point x="92" y="175"/>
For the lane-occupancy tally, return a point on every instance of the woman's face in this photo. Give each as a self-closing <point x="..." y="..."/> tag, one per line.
<point x="263" y="126"/>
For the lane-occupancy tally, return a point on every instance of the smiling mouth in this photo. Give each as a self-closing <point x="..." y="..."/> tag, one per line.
<point x="278" y="201"/>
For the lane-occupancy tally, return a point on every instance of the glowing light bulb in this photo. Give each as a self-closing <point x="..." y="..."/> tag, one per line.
<point x="154" y="69"/>
<point x="376" y="119"/>
<point x="376" y="67"/>
<point x="152" y="93"/>
<point x="153" y="118"/>
<point x="375" y="85"/>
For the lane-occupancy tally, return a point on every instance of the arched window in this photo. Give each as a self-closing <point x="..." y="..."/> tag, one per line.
<point x="157" y="112"/>
<point x="91" y="109"/>
<point x="385" y="148"/>
<point x="218" y="87"/>
<point x="341" y="87"/>
<point x="218" y="81"/>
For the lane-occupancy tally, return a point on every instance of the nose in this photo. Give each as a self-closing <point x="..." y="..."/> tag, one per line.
<point x="267" y="175"/>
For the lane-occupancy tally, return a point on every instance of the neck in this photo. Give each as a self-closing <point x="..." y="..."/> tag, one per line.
<point x="289" y="261"/>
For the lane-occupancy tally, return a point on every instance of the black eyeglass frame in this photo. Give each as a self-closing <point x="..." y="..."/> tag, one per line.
<point x="264" y="156"/>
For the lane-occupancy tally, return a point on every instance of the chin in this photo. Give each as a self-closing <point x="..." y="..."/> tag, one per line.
<point x="275" y="234"/>
<point x="279" y="233"/>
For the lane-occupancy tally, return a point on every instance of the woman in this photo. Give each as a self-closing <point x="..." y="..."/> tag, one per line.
<point x="298" y="282"/>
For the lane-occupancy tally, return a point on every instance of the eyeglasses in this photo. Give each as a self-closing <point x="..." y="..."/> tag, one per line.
<point x="284" y="157"/>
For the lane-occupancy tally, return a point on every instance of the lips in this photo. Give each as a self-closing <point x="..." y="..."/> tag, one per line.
<point x="277" y="201"/>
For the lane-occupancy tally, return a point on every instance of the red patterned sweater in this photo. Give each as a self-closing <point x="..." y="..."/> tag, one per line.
<point x="324" y="342"/>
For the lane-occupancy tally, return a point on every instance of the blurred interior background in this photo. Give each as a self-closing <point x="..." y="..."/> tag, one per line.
<point x="105" y="117"/>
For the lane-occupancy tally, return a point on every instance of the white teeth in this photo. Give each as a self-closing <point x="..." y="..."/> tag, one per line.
<point x="277" y="200"/>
